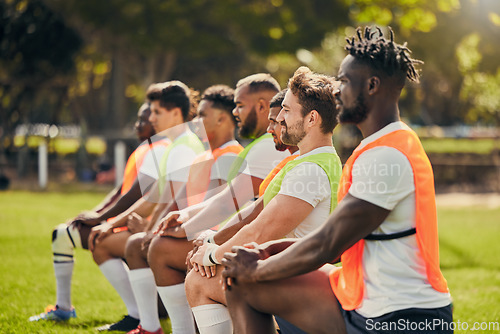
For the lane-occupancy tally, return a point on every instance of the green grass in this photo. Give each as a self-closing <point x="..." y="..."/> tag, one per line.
<point x="469" y="258"/>
<point x="460" y="145"/>
<point x="27" y="282"/>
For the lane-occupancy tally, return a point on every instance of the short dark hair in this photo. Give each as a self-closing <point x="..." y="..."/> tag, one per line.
<point x="172" y="94"/>
<point x="384" y="56"/>
<point x="259" y="82"/>
<point x="222" y="97"/>
<point x="315" y="92"/>
<point x="277" y="99"/>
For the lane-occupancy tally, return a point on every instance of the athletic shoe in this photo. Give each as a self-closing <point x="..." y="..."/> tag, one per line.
<point x="127" y="324"/>
<point x="54" y="313"/>
<point x="140" y="330"/>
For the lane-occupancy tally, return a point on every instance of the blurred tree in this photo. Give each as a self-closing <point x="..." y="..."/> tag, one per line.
<point x="199" y="41"/>
<point x="36" y="62"/>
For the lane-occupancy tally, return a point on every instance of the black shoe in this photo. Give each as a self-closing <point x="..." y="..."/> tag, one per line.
<point x="125" y="325"/>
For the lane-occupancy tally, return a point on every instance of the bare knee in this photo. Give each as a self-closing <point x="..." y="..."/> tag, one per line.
<point x="157" y="248"/>
<point x="194" y="288"/>
<point x="133" y="252"/>
<point x="133" y="245"/>
<point x="100" y="254"/>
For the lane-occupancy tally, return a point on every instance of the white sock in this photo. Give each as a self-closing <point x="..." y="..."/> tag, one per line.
<point x="144" y="287"/>
<point x="63" y="272"/>
<point x="116" y="272"/>
<point x="175" y="302"/>
<point x="213" y="319"/>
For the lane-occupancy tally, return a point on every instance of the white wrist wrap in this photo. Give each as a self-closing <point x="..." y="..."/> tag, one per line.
<point x="209" y="256"/>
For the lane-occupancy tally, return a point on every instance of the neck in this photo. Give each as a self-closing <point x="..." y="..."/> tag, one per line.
<point x="292" y="149"/>
<point x="312" y="142"/>
<point x="378" y="119"/>
<point x="175" y="131"/>
<point x="218" y="141"/>
<point x="260" y="133"/>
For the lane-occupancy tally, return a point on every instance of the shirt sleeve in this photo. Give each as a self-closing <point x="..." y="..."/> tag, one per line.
<point x="308" y="182"/>
<point x="179" y="161"/>
<point x="262" y="158"/>
<point x="222" y="166"/>
<point x="382" y="176"/>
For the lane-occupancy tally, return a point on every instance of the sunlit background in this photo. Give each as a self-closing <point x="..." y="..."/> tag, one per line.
<point x="73" y="73"/>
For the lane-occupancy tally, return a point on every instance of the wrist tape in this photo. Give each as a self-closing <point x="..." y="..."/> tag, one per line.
<point x="209" y="256"/>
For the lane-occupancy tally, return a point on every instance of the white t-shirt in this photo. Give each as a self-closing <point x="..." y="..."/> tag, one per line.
<point x="308" y="181"/>
<point x="222" y="166"/>
<point x="394" y="274"/>
<point x="148" y="171"/>
<point x="262" y="158"/>
<point x="179" y="161"/>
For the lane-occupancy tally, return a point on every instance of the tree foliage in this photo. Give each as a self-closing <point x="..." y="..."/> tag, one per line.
<point x="36" y="60"/>
<point x="97" y="69"/>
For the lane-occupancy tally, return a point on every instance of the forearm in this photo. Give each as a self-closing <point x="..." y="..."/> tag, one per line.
<point x="125" y="202"/>
<point x="221" y="206"/>
<point x="245" y="235"/>
<point x="276" y="246"/>
<point x="296" y="259"/>
<point x="211" y="215"/>
<point x="352" y="220"/>
<point x="141" y="207"/>
<point x="109" y="200"/>
<point x="232" y="227"/>
<point x="160" y="211"/>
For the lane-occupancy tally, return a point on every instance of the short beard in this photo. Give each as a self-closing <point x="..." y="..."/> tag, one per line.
<point x="292" y="139"/>
<point x="356" y="114"/>
<point x="281" y="147"/>
<point x="247" y="129"/>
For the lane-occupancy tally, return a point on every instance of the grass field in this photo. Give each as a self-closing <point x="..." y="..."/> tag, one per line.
<point x="469" y="258"/>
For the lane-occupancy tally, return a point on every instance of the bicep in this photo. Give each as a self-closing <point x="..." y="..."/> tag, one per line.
<point x="279" y="217"/>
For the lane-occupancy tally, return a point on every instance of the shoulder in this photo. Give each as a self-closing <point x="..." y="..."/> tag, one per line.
<point x="383" y="155"/>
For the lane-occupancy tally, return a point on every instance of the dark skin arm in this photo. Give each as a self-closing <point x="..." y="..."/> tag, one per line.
<point x="351" y="221"/>
<point x="109" y="199"/>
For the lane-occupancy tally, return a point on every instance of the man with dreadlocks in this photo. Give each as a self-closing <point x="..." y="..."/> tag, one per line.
<point x="384" y="229"/>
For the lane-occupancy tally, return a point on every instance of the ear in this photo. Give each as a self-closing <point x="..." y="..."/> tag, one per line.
<point x="263" y="106"/>
<point x="373" y="85"/>
<point x="313" y="118"/>
<point x="222" y="117"/>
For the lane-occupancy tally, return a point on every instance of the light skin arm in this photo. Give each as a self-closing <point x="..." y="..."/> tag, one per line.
<point x="352" y="220"/>
<point x="272" y="223"/>
<point x="219" y="207"/>
<point x="231" y="228"/>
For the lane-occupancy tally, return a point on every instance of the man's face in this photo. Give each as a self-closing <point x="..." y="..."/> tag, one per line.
<point x="291" y="120"/>
<point x="274" y="129"/>
<point x="143" y="128"/>
<point x="350" y="98"/>
<point x="210" y="116"/>
<point x="160" y="118"/>
<point x="245" y="112"/>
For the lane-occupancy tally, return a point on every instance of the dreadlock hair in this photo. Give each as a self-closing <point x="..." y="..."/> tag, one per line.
<point x="382" y="55"/>
<point x="173" y="94"/>
<point x="222" y="97"/>
<point x="277" y="99"/>
<point x="315" y="92"/>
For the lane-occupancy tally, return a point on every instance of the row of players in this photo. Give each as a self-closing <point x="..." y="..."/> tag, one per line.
<point x="377" y="215"/>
